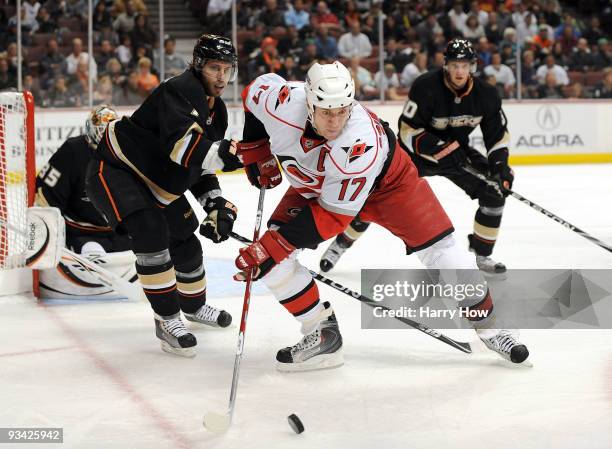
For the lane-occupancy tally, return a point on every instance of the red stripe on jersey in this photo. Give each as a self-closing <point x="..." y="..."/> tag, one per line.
<point x="303" y="300"/>
<point x="244" y="94"/>
<point x="373" y="159"/>
<point x="198" y="137"/>
<point x="278" y="118"/>
<point x="329" y="224"/>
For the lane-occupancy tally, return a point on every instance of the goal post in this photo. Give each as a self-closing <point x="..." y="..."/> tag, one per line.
<point x="17" y="189"/>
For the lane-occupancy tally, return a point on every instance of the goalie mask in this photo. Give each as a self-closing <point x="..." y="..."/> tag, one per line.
<point x="96" y="123"/>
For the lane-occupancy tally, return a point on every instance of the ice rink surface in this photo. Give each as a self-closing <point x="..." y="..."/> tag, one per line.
<point x="96" y="369"/>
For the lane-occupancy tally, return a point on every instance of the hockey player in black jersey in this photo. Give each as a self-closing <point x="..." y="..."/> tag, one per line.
<point x="443" y="108"/>
<point x="143" y="165"/>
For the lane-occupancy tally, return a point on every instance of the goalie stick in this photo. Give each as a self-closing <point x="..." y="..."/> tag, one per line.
<point x="461" y="346"/>
<point x="472" y="171"/>
<point x="106" y="277"/>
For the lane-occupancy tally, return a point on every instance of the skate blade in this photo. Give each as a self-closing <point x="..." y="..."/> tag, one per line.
<point x="183" y="352"/>
<point x="216" y="422"/>
<point x="321" y="362"/>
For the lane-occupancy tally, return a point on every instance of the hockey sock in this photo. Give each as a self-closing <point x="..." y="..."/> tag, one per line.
<point x="486" y="228"/>
<point x="304" y="305"/>
<point x="156" y="275"/>
<point x="480" y="315"/>
<point x="191" y="289"/>
<point x="352" y="233"/>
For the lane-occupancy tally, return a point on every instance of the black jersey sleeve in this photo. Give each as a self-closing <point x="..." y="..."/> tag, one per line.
<point x="205" y="185"/>
<point x="415" y="119"/>
<point x="494" y="129"/>
<point x="55" y="181"/>
<point x="180" y="132"/>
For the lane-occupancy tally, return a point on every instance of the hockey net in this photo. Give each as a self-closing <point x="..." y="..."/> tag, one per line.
<point x="17" y="175"/>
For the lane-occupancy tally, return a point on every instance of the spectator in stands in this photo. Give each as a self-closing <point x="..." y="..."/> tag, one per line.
<point x="327" y="46"/>
<point x="437" y="61"/>
<point x="602" y="56"/>
<point x="396" y="56"/>
<point x="26" y="28"/>
<point x="129" y="93"/>
<point x="120" y="6"/>
<point x="124" y="23"/>
<point x="31" y="84"/>
<point x="57" y="8"/>
<point x="604" y="88"/>
<point x="543" y="40"/>
<point x="473" y="30"/>
<point x="574" y="91"/>
<point x="560" y="57"/>
<point x="51" y="64"/>
<point x="475" y="10"/>
<point x="503" y="75"/>
<point x="139" y="53"/>
<point x="568" y="20"/>
<point x="457" y="16"/>
<point x="271" y="14"/>
<point x="142" y="34"/>
<point x="324" y="17"/>
<point x="101" y="18"/>
<point x="124" y="51"/>
<point x="528" y="74"/>
<point x="483" y="53"/>
<point x="115" y="71"/>
<point x="252" y="45"/>
<point x="509" y="38"/>
<point x="59" y="96"/>
<point x="103" y="93"/>
<point x="413" y="70"/>
<point x="45" y="22"/>
<point x="551" y="87"/>
<point x="76" y="55"/>
<point x="528" y="28"/>
<point x="567" y="40"/>
<point x="426" y="29"/>
<point x="106" y="53"/>
<point x="364" y="83"/>
<point x="551" y="13"/>
<point x="551" y="67"/>
<point x="267" y="60"/>
<point x="174" y="63"/>
<point x="581" y="58"/>
<point x="350" y="15"/>
<point x="291" y="44"/>
<point x="31" y="8"/>
<point x="216" y="19"/>
<point x="290" y="71"/>
<point x="594" y="32"/>
<point x="296" y="15"/>
<point x="146" y="80"/>
<point x="354" y="43"/>
<point x="7" y="78"/>
<point x="389" y="82"/>
<point x="78" y="83"/>
<point x="493" y="31"/>
<point x="508" y="57"/>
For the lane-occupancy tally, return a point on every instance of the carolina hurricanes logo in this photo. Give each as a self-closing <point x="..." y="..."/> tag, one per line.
<point x="308" y="143"/>
<point x="357" y="150"/>
<point x="301" y="175"/>
<point x="284" y="95"/>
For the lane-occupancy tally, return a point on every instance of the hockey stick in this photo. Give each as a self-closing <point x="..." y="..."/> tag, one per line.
<point x="220" y="422"/>
<point x="471" y="170"/>
<point x="461" y="346"/>
<point x="106" y="277"/>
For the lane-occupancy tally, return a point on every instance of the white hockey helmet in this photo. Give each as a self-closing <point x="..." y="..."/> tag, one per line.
<point x="96" y="122"/>
<point x="328" y="86"/>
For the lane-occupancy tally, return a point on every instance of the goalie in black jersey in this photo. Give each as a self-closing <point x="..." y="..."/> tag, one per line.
<point x="143" y="165"/>
<point x="443" y="108"/>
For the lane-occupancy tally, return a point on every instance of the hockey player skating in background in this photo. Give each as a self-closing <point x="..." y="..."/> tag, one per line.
<point x="61" y="184"/>
<point x="144" y="164"/>
<point x="444" y="107"/>
<point x="340" y="160"/>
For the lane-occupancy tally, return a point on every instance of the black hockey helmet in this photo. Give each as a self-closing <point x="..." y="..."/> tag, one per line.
<point x="460" y="50"/>
<point x="211" y="47"/>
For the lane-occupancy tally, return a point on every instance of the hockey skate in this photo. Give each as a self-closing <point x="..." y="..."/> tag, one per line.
<point x="321" y="348"/>
<point x="332" y="255"/>
<point x="210" y="316"/>
<point x="489" y="266"/>
<point x="507" y="346"/>
<point x="175" y="339"/>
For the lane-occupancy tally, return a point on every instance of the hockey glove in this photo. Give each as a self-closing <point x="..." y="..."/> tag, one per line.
<point x="220" y="220"/>
<point x="449" y="155"/>
<point x="227" y="153"/>
<point x="259" y="164"/>
<point x="263" y="255"/>
<point x="500" y="170"/>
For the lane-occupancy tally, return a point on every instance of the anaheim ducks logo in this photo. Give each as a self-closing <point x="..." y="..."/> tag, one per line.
<point x="357" y="150"/>
<point x="284" y="95"/>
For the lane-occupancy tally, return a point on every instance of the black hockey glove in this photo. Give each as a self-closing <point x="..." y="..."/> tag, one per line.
<point x="500" y="170"/>
<point x="449" y="156"/>
<point x="227" y="153"/>
<point x="220" y="220"/>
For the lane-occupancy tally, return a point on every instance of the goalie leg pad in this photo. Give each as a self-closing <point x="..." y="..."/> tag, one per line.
<point x="45" y="237"/>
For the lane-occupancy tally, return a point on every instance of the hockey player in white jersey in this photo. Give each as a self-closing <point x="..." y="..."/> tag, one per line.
<point x="340" y="160"/>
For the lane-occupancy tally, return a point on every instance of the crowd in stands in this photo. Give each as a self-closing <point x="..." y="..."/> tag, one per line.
<point x="564" y="47"/>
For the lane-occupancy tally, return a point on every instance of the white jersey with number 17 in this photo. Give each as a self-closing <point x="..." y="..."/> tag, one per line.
<point x="340" y="173"/>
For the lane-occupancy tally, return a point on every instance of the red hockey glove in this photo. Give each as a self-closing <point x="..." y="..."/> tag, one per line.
<point x="263" y="255"/>
<point x="259" y="164"/>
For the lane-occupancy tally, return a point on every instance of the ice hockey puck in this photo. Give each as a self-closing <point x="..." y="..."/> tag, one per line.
<point x="295" y="423"/>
